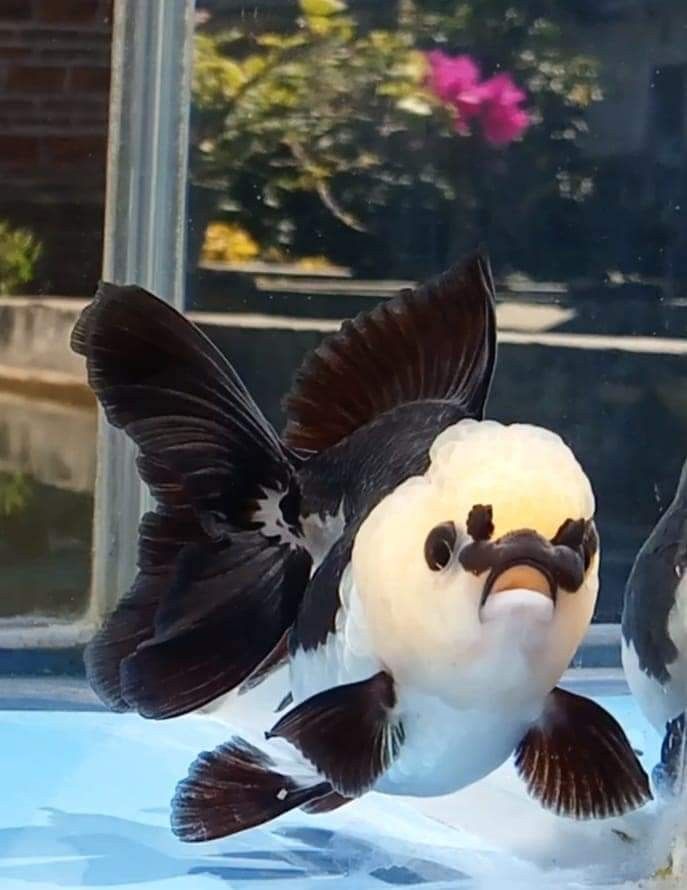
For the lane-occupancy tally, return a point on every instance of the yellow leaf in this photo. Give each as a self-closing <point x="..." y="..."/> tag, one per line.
<point x="229" y="243"/>
<point x="415" y="105"/>
<point x="322" y="7"/>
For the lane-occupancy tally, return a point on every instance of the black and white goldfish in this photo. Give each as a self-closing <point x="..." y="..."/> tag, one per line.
<point x="654" y="635"/>
<point x="426" y="575"/>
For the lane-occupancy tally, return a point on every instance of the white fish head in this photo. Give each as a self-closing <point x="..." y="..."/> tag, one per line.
<point x="478" y="580"/>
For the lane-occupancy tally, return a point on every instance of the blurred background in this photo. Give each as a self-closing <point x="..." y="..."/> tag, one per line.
<point x="338" y="151"/>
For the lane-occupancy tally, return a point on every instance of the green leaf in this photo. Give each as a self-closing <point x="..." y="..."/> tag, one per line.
<point x="19" y="252"/>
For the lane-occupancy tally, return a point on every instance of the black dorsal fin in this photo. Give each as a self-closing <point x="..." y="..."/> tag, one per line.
<point x="437" y="341"/>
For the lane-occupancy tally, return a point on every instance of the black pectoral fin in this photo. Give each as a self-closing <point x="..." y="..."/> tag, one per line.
<point x="348" y="733"/>
<point x="437" y="341"/>
<point x="578" y="762"/>
<point x="232" y="788"/>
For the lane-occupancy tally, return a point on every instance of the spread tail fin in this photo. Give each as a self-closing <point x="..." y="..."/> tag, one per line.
<point x="216" y="589"/>
<point x="235" y="787"/>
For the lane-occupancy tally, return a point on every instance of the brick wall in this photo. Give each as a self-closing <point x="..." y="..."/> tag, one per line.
<point x="54" y="93"/>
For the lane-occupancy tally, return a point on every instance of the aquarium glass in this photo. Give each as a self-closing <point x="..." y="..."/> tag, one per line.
<point x="272" y="168"/>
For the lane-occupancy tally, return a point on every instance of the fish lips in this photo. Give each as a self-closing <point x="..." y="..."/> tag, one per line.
<point x="559" y="565"/>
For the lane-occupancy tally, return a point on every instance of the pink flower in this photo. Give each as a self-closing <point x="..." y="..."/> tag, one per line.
<point x="455" y="80"/>
<point x="496" y="101"/>
<point x="502" y="118"/>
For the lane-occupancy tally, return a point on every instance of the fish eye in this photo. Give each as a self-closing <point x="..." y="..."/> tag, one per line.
<point x="439" y="546"/>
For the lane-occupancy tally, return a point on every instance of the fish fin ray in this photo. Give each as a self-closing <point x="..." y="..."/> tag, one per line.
<point x="576" y="761"/>
<point x="348" y="733"/>
<point x="437" y="341"/>
<point x="232" y="788"/>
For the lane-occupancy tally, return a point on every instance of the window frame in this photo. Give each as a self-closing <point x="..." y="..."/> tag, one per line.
<point x="144" y="243"/>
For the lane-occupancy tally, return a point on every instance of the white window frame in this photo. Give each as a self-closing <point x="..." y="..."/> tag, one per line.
<point x="144" y="243"/>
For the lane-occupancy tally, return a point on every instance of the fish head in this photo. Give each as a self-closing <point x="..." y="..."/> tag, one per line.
<point x="478" y="580"/>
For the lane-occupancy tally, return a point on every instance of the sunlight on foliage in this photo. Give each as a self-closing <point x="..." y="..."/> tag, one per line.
<point x="19" y="252"/>
<point x="16" y="492"/>
<point x="328" y="128"/>
<point x="228" y="243"/>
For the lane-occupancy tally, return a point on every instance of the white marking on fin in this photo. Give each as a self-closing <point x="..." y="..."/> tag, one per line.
<point x="319" y="532"/>
<point x="273" y="524"/>
<point x="282" y="794"/>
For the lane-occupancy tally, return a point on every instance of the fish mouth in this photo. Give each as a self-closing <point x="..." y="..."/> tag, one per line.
<point x="525" y="561"/>
<point x="528" y="575"/>
<point x="522" y="590"/>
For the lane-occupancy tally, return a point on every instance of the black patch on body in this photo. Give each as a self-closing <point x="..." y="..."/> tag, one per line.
<point x="232" y="788"/>
<point x="317" y="613"/>
<point x="347" y="732"/>
<point x="577" y="761"/>
<point x="375" y="459"/>
<point x="651" y="588"/>
<point x="360" y="472"/>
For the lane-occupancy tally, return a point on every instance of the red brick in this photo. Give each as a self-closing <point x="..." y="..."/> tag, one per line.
<point x="74" y="104"/>
<point x="16" y="52"/>
<point x="15" y="106"/>
<point x="15" y="9"/>
<point x="89" y="80"/>
<point x="67" y="11"/>
<point x="70" y="150"/>
<point x="14" y="34"/>
<point x="70" y="55"/>
<point x="18" y="151"/>
<point x="35" y="79"/>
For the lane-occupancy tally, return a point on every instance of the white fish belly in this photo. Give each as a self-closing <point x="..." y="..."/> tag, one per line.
<point x="446" y="749"/>
<point x="662" y="702"/>
<point x="659" y="702"/>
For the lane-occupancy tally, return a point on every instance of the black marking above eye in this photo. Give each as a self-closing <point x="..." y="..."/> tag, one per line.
<point x="480" y="524"/>
<point x="579" y="535"/>
<point x="439" y="546"/>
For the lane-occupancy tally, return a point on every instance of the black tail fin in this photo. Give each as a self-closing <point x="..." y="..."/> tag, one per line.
<point x="213" y="595"/>
<point x="234" y="787"/>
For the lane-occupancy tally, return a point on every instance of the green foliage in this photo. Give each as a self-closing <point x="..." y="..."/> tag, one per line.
<point x="16" y="493"/>
<point x="324" y="136"/>
<point x="19" y="252"/>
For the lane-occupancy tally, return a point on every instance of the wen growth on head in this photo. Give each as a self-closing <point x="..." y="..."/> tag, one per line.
<point x="423" y="575"/>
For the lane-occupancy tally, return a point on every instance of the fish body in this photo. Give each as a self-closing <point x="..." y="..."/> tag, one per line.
<point x="654" y="631"/>
<point x="426" y="575"/>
